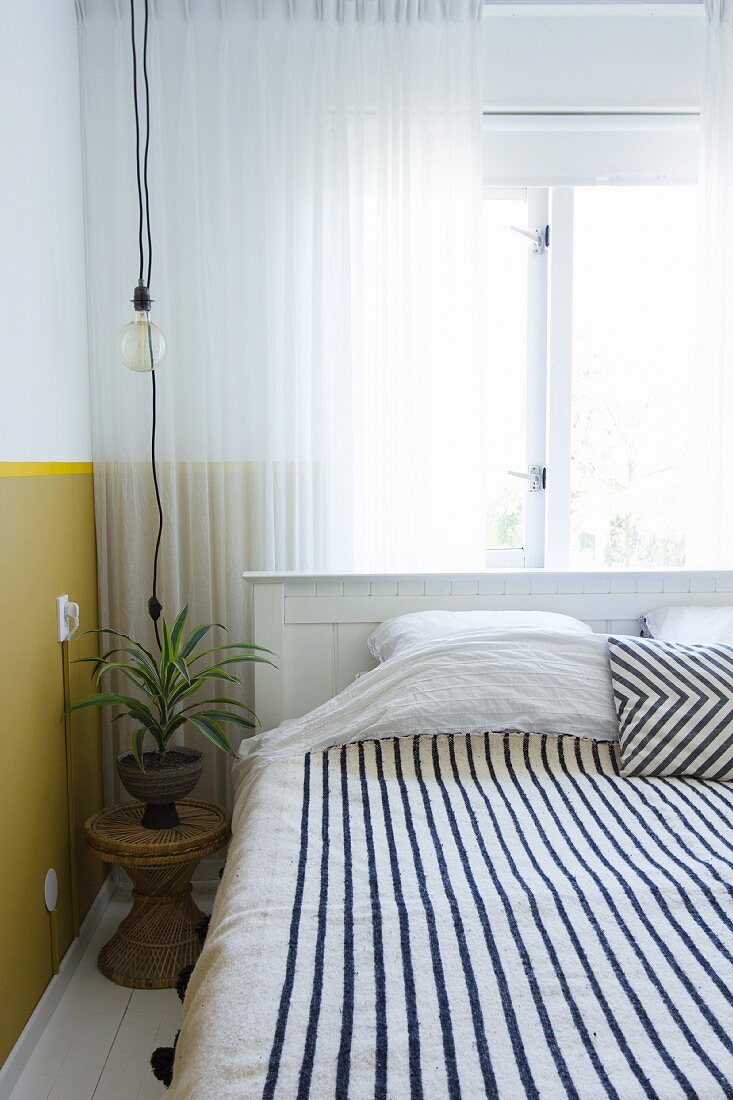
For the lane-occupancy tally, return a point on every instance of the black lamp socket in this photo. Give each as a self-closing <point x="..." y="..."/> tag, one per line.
<point x="141" y="299"/>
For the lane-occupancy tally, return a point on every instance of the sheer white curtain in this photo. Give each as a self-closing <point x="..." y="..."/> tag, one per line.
<point x="711" y="521"/>
<point x="410" y="119"/>
<point x="315" y="192"/>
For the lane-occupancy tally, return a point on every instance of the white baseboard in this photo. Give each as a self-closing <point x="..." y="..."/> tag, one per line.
<point x="28" y="1039"/>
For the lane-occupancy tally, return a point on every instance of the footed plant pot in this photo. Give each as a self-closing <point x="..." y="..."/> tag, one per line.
<point x="162" y="784"/>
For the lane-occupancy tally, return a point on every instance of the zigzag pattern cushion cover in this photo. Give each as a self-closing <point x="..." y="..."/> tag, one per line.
<point x="675" y="707"/>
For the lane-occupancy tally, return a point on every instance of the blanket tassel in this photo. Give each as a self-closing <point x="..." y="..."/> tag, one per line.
<point x="163" y="1058"/>
<point x="161" y="1062"/>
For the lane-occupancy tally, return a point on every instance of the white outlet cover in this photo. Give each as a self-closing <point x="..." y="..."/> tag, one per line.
<point x="67" y="618"/>
<point x="62" y="628"/>
<point x="51" y="889"/>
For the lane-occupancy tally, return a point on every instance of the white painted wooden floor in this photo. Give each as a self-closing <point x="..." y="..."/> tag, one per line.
<point x="98" y="1043"/>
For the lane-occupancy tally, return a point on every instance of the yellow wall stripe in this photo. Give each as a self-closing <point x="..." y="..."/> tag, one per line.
<point x="43" y="469"/>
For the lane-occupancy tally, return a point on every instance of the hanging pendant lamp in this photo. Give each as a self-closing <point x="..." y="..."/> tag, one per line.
<point x="141" y="345"/>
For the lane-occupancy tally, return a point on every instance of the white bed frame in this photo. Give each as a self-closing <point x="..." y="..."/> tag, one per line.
<point x="318" y="624"/>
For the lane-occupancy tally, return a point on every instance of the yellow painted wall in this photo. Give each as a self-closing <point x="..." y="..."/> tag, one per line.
<point x="47" y="548"/>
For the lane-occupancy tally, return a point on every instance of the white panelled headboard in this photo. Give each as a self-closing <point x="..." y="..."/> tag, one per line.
<point x="318" y="624"/>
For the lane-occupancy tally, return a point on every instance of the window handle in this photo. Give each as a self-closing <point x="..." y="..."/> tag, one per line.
<point x="536" y="476"/>
<point x="540" y="238"/>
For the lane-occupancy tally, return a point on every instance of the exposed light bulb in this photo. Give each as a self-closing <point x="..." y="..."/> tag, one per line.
<point x="141" y="345"/>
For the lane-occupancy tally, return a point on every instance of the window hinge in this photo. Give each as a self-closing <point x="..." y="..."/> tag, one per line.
<point x="540" y="238"/>
<point x="536" y="476"/>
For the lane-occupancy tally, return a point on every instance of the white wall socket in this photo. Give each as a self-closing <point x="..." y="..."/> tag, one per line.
<point x="67" y="618"/>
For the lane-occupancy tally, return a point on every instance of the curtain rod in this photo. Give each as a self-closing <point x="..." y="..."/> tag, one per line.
<point x="659" y="8"/>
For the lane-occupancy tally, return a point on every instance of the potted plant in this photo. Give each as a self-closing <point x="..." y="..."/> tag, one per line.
<point x="167" y="697"/>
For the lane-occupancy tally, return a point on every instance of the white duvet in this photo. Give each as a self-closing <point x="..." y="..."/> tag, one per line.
<point x="533" y="681"/>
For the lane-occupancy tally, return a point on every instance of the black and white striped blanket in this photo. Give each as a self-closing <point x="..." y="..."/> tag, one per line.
<point x="487" y="915"/>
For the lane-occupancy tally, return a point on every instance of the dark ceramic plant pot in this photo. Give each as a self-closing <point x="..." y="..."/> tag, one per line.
<point x="160" y="786"/>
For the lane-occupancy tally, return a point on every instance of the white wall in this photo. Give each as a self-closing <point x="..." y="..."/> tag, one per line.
<point x="44" y="374"/>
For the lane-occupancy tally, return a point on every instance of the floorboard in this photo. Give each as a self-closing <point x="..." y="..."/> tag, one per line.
<point x="98" y="1043"/>
<point x="151" y="1019"/>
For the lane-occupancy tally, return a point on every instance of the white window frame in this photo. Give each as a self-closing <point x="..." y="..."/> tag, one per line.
<point x="531" y="555"/>
<point x="559" y="376"/>
<point x="546" y="542"/>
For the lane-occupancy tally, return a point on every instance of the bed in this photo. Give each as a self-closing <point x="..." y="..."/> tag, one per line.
<point x="417" y="905"/>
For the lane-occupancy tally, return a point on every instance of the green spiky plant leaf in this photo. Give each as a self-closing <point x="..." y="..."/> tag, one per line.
<point x="164" y="689"/>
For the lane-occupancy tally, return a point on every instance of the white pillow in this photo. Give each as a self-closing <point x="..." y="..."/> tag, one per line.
<point x="396" y="635"/>
<point x="524" y="679"/>
<point x="691" y="625"/>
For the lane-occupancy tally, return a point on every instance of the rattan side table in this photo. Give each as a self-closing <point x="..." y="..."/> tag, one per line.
<point x="158" y="936"/>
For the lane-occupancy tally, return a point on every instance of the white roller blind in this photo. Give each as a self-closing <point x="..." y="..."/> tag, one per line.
<point x="564" y="150"/>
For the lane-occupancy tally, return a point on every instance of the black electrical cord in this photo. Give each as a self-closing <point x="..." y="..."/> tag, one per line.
<point x="137" y="143"/>
<point x="154" y="605"/>
<point x="147" y="140"/>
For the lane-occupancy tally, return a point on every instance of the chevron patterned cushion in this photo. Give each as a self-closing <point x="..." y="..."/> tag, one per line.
<point x="675" y="707"/>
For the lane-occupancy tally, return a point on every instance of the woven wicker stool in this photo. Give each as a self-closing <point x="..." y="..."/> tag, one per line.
<point x="158" y="936"/>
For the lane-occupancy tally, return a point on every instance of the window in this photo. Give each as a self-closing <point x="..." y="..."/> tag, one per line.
<point x="592" y="375"/>
<point x="632" y="371"/>
<point x="554" y="432"/>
